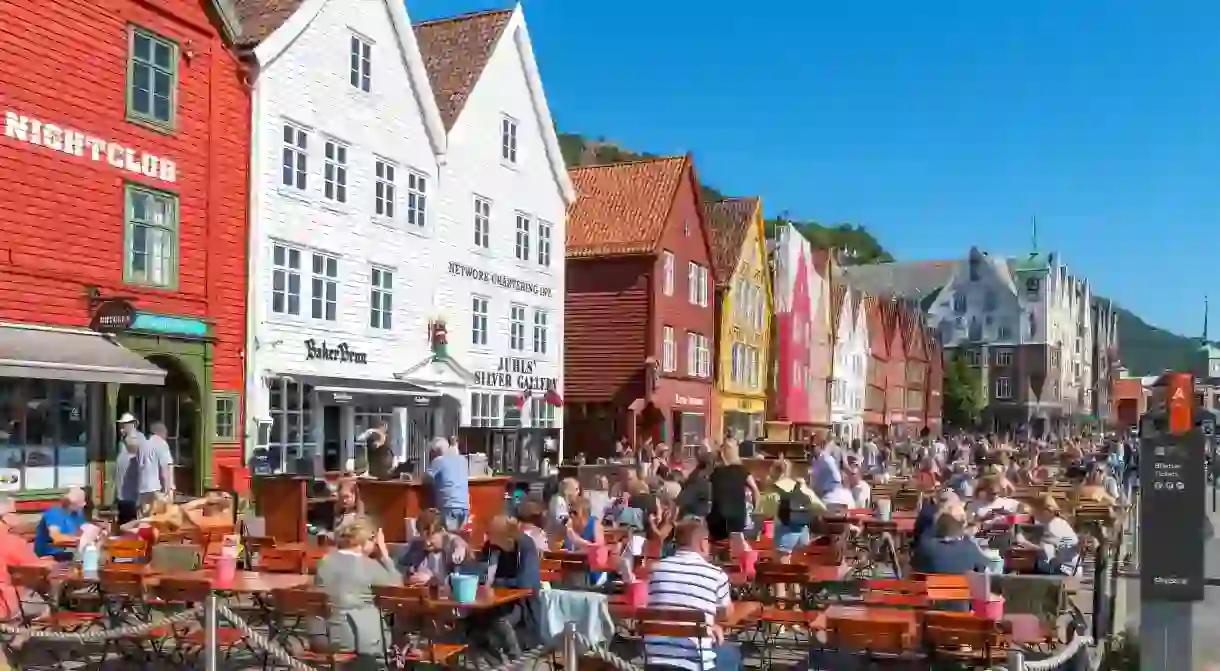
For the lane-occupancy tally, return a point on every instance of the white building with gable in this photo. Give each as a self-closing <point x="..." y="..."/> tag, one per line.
<point x="343" y="225"/>
<point x="851" y="355"/>
<point x="498" y="251"/>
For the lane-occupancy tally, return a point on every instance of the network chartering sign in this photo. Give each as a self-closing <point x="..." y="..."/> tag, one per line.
<point x="1172" y="498"/>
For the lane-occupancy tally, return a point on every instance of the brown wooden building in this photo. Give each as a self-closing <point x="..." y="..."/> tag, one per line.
<point x="915" y="390"/>
<point x="639" y="323"/>
<point x="878" y="367"/>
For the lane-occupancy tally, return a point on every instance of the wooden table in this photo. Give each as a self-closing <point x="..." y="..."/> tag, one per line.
<point x="485" y="598"/>
<point x="243" y="582"/>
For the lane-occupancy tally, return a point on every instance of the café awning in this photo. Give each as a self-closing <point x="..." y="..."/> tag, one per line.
<point x="46" y="353"/>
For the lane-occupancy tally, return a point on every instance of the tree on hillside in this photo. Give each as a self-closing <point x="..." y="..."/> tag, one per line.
<point x="857" y="245"/>
<point x="963" y="394"/>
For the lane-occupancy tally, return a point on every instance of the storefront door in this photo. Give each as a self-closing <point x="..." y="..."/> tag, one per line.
<point x="177" y="406"/>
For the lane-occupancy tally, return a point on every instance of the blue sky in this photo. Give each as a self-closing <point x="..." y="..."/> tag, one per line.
<point x="935" y="124"/>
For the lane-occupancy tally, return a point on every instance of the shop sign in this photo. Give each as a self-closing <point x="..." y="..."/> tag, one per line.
<point x="463" y="270"/>
<point x="514" y="373"/>
<point x="169" y="325"/>
<point x="679" y="399"/>
<point x="76" y="143"/>
<point x="114" y="315"/>
<point x="341" y="353"/>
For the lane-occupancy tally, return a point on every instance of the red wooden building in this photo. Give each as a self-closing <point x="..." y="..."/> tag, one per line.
<point x="895" y="369"/>
<point x="122" y="236"/>
<point x="934" y="389"/>
<point x="877" y="368"/>
<point x="639" y="317"/>
<point x="915" y="388"/>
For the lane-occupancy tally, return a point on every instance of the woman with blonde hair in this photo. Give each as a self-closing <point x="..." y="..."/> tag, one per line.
<point x="513" y="561"/>
<point x="733" y="492"/>
<point x="1059" y="543"/>
<point x="162" y="516"/>
<point x="348" y="575"/>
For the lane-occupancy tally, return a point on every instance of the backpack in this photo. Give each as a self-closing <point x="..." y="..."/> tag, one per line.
<point x="796" y="509"/>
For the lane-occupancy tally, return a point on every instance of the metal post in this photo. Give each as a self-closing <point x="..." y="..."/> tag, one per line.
<point x="571" y="656"/>
<point x="1015" y="660"/>
<point x="210" y="644"/>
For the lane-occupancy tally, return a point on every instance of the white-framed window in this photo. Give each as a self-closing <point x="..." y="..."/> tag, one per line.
<point x="669" y="350"/>
<point x="508" y="139"/>
<point x="735" y="362"/>
<point x="703" y="356"/>
<point x="755" y="367"/>
<point x="973" y="357"/>
<point x="692" y="283"/>
<point x="478" y="320"/>
<point x="482" y="222"/>
<point x="484" y="409"/>
<point x="151" y="236"/>
<point x="542" y="414"/>
<point x="796" y="375"/>
<point x="1003" y="357"/>
<point x="760" y="306"/>
<point x="295" y="161"/>
<point x="285" y="280"/>
<point x="381" y="298"/>
<point x="544" y="243"/>
<point x="541" y="331"/>
<point x="521" y="247"/>
<point x="334" y="172"/>
<point x="667" y="260"/>
<point x="516" y="327"/>
<point x="325" y="289"/>
<point x="417" y="199"/>
<point x="1003" y="387"/>
<point x="290" y="437"/>
<point x="384" y="191"/>
<point x="692" y="357"/>
<point x="362" y="64"/>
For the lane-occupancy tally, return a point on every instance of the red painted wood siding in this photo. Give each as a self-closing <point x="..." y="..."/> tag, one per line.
<point x="792" y="398"/>
<point x="61" y="216"/>
<point x="896" y="367"/>
<point x="936" y="382"/>
<point x="686" y="237"/>
<point x="606" y="328"/>
<point x="878" y="366"/>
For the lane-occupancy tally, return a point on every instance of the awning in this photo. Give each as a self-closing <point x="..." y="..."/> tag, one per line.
<point x="395" y="393"/>
<point x="80" y="356"/>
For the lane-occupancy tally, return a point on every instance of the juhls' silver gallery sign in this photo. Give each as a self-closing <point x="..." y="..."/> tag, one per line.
<point x="76" y="143"/>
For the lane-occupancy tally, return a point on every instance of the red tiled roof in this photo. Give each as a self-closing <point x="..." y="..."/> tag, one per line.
<point x="621" y="208"/>
<point x="729" y="222"/>
<point x="455" y="51"/>
<point x="260" y="18"/>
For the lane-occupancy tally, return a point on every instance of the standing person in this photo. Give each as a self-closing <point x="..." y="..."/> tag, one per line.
<point x="731" y="484"/>
<point x="160" y="443"/>
<point x="449" y="475"/>
<point x="127" y="481"/>
<point x="154" y="469"/>
<point x="688" y="580"/>
<point x="824" y="474"/>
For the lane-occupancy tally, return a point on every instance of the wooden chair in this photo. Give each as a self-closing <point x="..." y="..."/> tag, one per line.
<point x="253" y="547"/>
<point x="673" y="622"/>
<point x="39" y="610"/>
<point x="281" y="560"/>
<point x="947" y="587"/>
<point x="177" y="594"/>
<point x="126" y="550"/>
<point x="292" y="610"/>
<point x="125" y="601"/>
<point x="552" y="570"/>
<point x="420" y="627"/>
<point x="876" y="641"/>
<point x="962" y="637"/>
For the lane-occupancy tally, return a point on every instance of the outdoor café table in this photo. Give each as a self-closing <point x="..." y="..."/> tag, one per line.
<point x="486" y="598"/>
<point x="243" y="582"/>
<point x="1018" y="628"/>
<point x="742" y="615"/>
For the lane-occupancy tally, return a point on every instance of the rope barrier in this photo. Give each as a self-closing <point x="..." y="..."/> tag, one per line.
<point x="1061" y="657"/>
<point x="96" y="636"/>
<point x="260" y="641"/>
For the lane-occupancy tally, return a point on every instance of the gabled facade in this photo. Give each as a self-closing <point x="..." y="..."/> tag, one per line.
<point x="896" y="370"/>
<point x="123" y="222"/>
<point x="915" y="386"/>
<point x="877" y="368"/>
<point x="500" y="235"/>
<point x="821" y="344"/>
<point x="794" y="329"/>
<point x="934" y="389"/>
<point x="743" y="304"/>
<point x="346" y="137"/>
<point x="851" y="358"/>
<point x="639" y="311"/>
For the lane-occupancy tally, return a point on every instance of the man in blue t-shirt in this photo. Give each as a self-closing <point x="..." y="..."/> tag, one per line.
<point x="60" y="524"/>
<point x="449" y="475"/>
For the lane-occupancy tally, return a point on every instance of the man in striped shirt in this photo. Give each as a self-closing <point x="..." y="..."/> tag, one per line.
<point x="689" y="580"/>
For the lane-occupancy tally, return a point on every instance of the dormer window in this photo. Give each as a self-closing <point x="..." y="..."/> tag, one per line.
<point x="974" y="270"/>
<point x="1032" y="285"/>
<point x="959" y="304"/>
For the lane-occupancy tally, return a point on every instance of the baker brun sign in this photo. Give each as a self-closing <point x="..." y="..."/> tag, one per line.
<point x="341" y="353"/>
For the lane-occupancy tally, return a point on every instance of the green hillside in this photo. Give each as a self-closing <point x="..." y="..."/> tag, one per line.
<point x="1143" y="348"/>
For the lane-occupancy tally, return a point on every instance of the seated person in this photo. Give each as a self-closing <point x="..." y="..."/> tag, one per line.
<point x="513" y="561"/>
<point x="861" y="491"/>
<point x="163" y="517"/>
<point x="348" y="575"/>
<point x="215" y="509"/>
<point x="60" y="525"/>
<point x="990" y="503"/>
<point x="928" y="512"/>
<point x="531" y="514"/>
<point x="1094" y="488"/>
<point x="434" y="553"/>
<point x="949" y="549"/>
<point x="1059" y="545"/>
<point x="584" y="531"/>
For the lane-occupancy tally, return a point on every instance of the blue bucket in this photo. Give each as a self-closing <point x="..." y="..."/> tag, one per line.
<point x="464" y="587"/>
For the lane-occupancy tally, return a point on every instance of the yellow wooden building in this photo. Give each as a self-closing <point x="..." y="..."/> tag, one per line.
<point x="743" y="317"/>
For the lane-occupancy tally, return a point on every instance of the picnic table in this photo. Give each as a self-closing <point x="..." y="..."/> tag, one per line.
<point x="1018" y="628"/>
